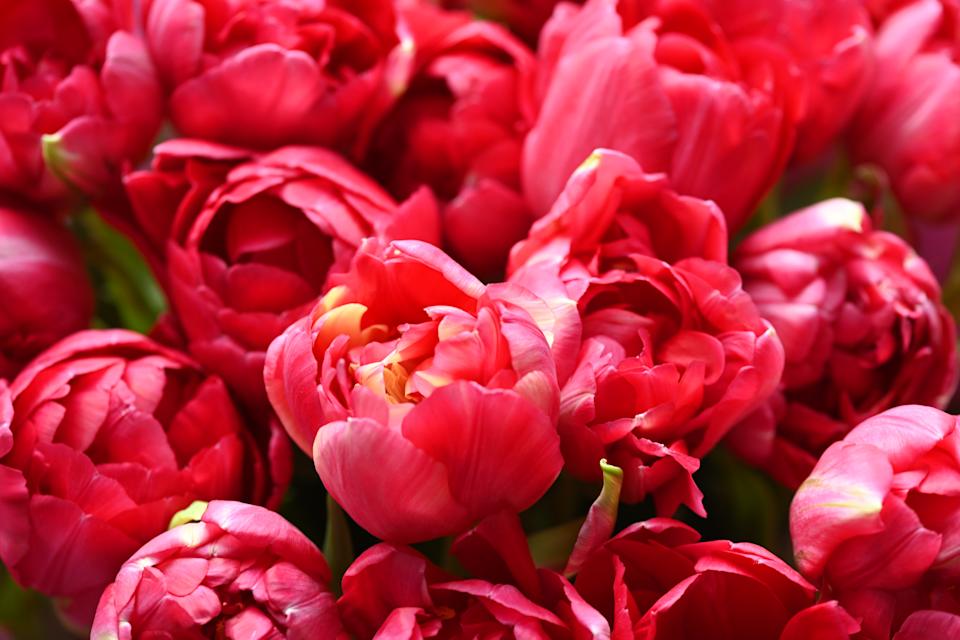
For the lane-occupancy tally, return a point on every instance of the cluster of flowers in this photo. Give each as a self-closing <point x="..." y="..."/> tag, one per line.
<point x="451" y="259"/>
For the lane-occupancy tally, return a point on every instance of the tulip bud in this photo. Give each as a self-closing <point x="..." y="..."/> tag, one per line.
<point x="45" y="289"/>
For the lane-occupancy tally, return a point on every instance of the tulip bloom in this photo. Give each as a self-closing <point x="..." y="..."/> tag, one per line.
<point x="79" y="98"/>
<point x="907" y="124"/>
<point x="862" y="325"/>
<point x="111" y="435"/>
<point x="673" y="354"/>
<point x="44" y="287"/>
<point x="671" y="92"/>
<point x="830" y="44"/>
<point x="262" y="74"/>
<point x="655" y="580"/>
<point x="876" y="523"/>
<point x="393" y="592"/>
<point x="611" y="209"/>
<point x="235" y="571"/>
<point x="458" y="127"/>
<point x="428" y="400"/>
<point x="251" y="241"/>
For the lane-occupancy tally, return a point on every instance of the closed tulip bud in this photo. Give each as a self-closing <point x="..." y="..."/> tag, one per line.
<point x="45" y="289"/>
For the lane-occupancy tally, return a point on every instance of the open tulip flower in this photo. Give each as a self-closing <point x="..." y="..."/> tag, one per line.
<point x="672" y="354"/>
<point x="79" y="99"/>
<point x="459" y="127"/>
<point x="395" y="593"/>
<point x="907" y="122"/>
<point x="656" y="581"/>
<point x="422" y="275"/>
<point x="720" y="119"/>
<point x="251" y="241"/>
<point x="228" y="570"/>
<point x="423" y="395"/>
<point x="108" y="435"/>
<point x="863" y="329"/>
<point x="875" y="524"/>
<point x="264" y="73"/>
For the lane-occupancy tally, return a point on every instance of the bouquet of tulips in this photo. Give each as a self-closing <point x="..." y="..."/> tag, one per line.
<point x="479" y="319"/>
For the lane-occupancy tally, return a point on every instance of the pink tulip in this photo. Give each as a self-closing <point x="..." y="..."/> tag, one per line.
<point x="876" y="523"/>
<point x="233" y="571"/>
<point x="428" y="400"/>
<point x="458" y="127"/>
<point x="672" y="92"/>
<point x="863" y="329"/>
<point x="111" y="434"/>
<point x="673" y="355"/>
<point x="395" y="593"/>
<point x="264" y="73"/>
<point x="45" y="291"/>
<point x="610" y="209"/>
<point x="909" y="123"/>
<point x="252" y="240"/>
<point x="655" y="581"/>
<point x="79" y="100"/>
<point x="830" y="43"/>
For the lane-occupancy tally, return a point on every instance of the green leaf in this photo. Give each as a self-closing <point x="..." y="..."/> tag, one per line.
<point x="337" y="544"/>
<point x="601" y="519"/>
<point x="551" y="547"/>
<point x="128" y="296"/>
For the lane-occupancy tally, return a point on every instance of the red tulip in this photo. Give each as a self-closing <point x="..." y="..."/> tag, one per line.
<point x="829" y="43"/>
<point x="111" y="435"/>
<point x="655" y="581"/>
<point x="673" y="354"/>
<point x="395" y="593"/>
<point x="263" y="73"/>
<point x="45" y="292"/>
<point x="908" y="123"/>
<point x="79" y="99"/>
<point x="876" y="523"/>
<point x="673" y="93"/>
<point x="610" y="209"/>
<point x="234" y="571"/>
<point x="923" y="625"/>
<point x="862" y="325"/>
<point x="458" y="127"/>
<point x="428" y="400"/>
<point x="252" y="241"/>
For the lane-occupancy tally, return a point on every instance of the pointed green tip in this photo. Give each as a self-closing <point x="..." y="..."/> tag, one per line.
<point x="50" y="148"/>
<point x="610" y="470"/>
<point x="193" y="513"/>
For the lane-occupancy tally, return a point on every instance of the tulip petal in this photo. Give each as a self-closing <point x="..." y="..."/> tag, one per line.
<point x="388" y="485"/>
<point x="488" y="440"/>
